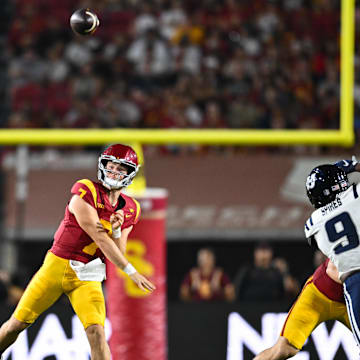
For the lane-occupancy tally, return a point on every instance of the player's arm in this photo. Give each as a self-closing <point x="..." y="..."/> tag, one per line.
<point x="119" y="235"/>
<point x="332" y="272"/>
<point x="349" y="166"/>
<point x="87" y="218"/>
<point x="122" y="240"/>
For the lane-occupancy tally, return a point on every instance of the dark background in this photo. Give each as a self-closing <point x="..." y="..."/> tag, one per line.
<point x="181" y="257"/>
<point x="195" y="331"/>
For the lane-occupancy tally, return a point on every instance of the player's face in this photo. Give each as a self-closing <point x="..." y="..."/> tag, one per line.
<point x="115" y="171"/>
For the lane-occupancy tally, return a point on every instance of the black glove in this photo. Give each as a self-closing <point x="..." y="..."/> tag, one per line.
<point x="347" y="165"/>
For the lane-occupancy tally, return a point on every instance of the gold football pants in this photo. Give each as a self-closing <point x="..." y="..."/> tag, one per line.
<point x="54" y="278"/>
<point x="310" y="309"/>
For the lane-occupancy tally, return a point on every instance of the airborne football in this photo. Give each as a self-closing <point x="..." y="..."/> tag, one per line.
<point x="179" y="180"/>
<point x="84" y="22"/>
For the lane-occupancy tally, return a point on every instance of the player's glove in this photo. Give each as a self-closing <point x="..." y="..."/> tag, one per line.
<point x="347" y="165"/>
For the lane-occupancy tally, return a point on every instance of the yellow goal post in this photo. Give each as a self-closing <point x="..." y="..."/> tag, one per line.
<point x="344" y="136"/>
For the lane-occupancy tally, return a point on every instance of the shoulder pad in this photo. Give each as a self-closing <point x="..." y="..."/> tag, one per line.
<point x="85" y="186"/>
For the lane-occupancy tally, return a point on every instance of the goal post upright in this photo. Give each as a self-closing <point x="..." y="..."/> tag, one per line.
<point x="347" y="47"/>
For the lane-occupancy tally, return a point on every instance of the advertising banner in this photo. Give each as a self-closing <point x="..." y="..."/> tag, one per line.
<point x="196" y="331"/>
<point x="240" y="331"/>
<point x="57" y="334"/>
<point x="138" y="318"/>
<point x="228" y="197"/>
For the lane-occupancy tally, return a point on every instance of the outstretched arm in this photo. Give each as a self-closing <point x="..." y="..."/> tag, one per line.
<point x="88" y="219"/>
<point x="332" y="272"/>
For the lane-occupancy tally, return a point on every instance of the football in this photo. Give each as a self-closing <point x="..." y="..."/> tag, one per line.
<point x="84" y="22"/>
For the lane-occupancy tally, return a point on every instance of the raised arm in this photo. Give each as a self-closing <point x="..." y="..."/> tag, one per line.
<point x="349" y="166"/>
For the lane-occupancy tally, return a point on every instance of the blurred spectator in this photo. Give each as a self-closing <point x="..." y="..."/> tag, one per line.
<point x="187" y="56"/>
<point x="146" y="19"/>
<point x="150" y="54"/>
<point x="57" y="68"/>
<point x="78" y="52"/>
<point x="118" y="110"/>
<point x="259" y="64"/>
<point x="265" y="279"/>
<point x="206" y="282"/>
<point x="318" y="259"/>
<point x="12" y="286"/>
<point x="27" y="68"/>
<point x="17" y="284"/>
<point x="4" y="281"/>
<point x="291" y="285"/>
<point x="171" y="18"/>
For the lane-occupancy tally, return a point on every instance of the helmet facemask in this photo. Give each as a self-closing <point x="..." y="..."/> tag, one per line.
<point x="114" y="184"/>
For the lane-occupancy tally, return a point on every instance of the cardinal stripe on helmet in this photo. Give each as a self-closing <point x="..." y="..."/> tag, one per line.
<point x="91" y="187"/>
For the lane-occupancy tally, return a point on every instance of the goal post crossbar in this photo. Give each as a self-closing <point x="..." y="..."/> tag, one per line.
<point x="183" y="137"/>
<point x="344" y="136"/>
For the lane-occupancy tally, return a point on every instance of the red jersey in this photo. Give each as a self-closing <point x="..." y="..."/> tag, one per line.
<point x="71" y="241"/>
<point x="330" y="288"/>
<point x="206" y="287"/>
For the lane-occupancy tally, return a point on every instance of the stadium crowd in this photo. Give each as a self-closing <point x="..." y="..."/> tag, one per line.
<point x="206" y="281"/>
<point x="176" y="64"/>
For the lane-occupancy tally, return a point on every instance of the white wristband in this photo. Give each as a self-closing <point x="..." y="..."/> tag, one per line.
<point x="116" y="234"/>
<point x="129" y="269"/>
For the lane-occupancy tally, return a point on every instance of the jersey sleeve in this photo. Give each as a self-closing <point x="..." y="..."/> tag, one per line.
<point x="137" y="212"/>
<point x="86" y="190"/>
<point x="310" y="227"/>
<point x="132" y="216"/>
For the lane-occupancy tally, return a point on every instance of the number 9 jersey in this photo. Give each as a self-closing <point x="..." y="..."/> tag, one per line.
<point x="335" y="227"/>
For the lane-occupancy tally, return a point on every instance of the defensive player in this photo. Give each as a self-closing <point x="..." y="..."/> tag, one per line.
<point x="321" y="299"/>
<point x="75" y="263"/>
<point x="321" y="296"/>
<point x="335" y="226"/>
